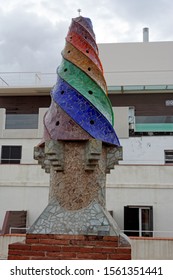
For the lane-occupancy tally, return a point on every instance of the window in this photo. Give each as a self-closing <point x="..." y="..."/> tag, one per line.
<point x="168" y="156"/>
<point x="21" y="121"/>
<point x="138" y="220"/>
<point x="154" y="124"/>
<point x="11" y="154"/>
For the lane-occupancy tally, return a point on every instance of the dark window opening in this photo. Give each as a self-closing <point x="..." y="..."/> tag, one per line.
<point x="138" y="221"/>
<point x="11" y="154"/>
<point x="168" y="156"/>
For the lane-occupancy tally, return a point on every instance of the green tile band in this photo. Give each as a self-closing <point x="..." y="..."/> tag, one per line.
<point x="87" y="87"/>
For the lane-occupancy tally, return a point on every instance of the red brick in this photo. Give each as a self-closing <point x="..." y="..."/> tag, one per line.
<point x="26" y="253"/>
<point x="18" y="252"/>
<point x="32" y="241"/>
<point x="106" y="244"/>
<point x="44" y="248"/>
<point x="37" y="253"/>
<point x="127" y="257"/>
<point x="61" y="254"/>
<point x="96" y="250"/>
<point x="19" y="246"/>
<point x="18" y="257"/>
<point x="91" y="256"/>
<point x="60" y="258"/>
<point x="92" y="243"/>
<point x="39" y="236"/>
<point x="76" y="242"/>
<point x="93" y="237"/>
<point x="37" y="258"/>
<point x="33" y="236"/>
<point x="52" y="247"/>
<point x="66" y="258"/>
<point x="70" y="249"/>
<point x="119" y="257"/>
<point x="123" y="250"/>
<point x="88" y="249"/>
<point x="69" y="237"/>
<point x="16" y="244"/>
<point x="111" y="238"/>
<point x="54" y="241"/>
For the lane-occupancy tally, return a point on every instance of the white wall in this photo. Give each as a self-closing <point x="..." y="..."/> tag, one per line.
<point x="146" y="149"/>
<point x="2" y="121"/>
<point x="137" y="63"/>
<point x="152" y="249"/>
<point x="27" y="148"/>
<point x="121" y="121"/>
<point x="142" y="186"/>
<point x="31" y="199"/>
<point x="23" y="187"/>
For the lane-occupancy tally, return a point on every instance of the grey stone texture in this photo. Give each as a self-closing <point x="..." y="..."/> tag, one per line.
<point x="90" y="220"/>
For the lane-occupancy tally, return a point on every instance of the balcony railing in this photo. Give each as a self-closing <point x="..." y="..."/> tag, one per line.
<point x="27" y="79"/>
<point x="38" y="79"/>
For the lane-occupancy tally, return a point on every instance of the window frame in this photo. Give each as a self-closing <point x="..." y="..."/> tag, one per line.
<point x="21" y="121"/>
<point x="9" y="159"/>
<point x="138" y="230"/>
<point x="166" y="160"/>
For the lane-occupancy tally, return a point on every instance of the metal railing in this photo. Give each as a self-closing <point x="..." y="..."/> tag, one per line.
<point x="18" y="229"/>
<point x="154" y="233"/>
<point x="38" y="79"/>
<point x="27" y="79"/>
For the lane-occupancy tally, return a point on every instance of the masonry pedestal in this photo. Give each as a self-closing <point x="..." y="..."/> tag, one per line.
<point x="71" y="247"/>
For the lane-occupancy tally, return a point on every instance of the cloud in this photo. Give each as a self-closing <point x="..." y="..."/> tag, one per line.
<point x="29" y="42"/>
<point x="32" y="33"/>
<point x="157" y="15"/>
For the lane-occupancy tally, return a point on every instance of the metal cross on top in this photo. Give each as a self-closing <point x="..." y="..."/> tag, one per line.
<point x="79" y="11"/>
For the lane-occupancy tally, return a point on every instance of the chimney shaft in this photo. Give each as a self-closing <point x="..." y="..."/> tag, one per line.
<point x="145" y="34"/>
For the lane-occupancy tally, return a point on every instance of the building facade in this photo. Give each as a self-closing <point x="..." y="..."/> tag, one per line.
<point x="140" y="189"/>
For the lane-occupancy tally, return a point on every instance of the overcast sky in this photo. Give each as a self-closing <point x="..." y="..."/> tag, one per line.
<point x="32" y="32"/>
